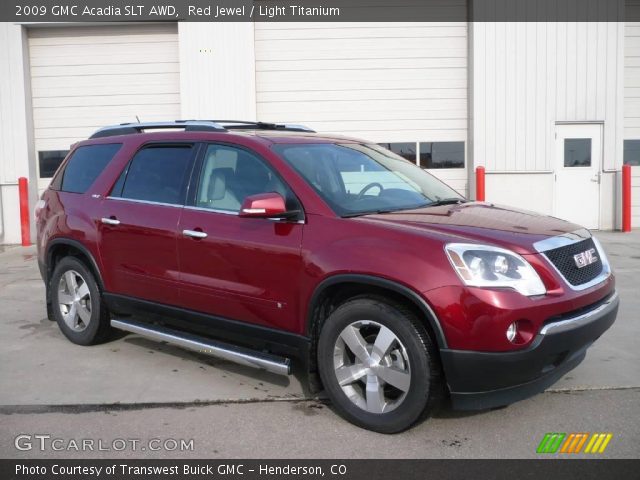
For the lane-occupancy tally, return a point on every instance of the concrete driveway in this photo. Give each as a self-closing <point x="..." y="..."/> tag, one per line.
<point x="49" y="384"/>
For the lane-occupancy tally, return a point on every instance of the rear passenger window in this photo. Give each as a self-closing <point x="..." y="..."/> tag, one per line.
<point x="157" y="174"/>
<point x="85" y="165"/>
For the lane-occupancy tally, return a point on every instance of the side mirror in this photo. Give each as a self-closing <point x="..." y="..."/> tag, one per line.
<point x="264" y="205"/>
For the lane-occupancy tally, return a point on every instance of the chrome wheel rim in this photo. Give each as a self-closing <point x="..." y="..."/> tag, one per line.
<point x="372" y="366"/>
<point x="74" y="301"/>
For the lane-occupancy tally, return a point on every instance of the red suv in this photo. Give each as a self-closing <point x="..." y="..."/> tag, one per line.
<point x="259" y="243"/>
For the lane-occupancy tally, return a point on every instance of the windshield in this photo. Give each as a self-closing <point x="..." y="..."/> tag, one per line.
<point x="357" y="179"/>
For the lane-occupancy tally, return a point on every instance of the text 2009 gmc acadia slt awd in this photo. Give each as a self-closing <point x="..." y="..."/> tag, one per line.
<point x="259" y="243"/>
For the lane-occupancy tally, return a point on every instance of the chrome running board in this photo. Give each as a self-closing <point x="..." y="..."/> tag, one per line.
<point x="243" y="356"/>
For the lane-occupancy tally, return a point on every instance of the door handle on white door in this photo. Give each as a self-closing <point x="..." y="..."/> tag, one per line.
<point x="596" y="179"/>
<point x="194" y="234"/>
<point x="110" y="221"/>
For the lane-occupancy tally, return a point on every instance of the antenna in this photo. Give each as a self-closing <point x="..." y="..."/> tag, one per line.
<point x="138" y="118"/>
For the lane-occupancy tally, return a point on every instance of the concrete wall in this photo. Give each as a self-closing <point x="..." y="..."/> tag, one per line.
<point x="16" y="142"/>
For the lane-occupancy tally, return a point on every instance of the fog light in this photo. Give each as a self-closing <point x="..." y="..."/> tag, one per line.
<point x="511" y="332"/>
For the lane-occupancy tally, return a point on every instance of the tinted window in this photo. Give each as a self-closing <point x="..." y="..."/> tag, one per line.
<point x="404" y="149"/>
<point x="577" y="152"/>
<point x="49" y="161"/>
<point x="632" y="152"/>
<point x="442" y="154"/>
<point x="358" y="179"/>
<point x="229" y="175"/>
<point x="85" y="165"/>
<point x="158" y="174"/>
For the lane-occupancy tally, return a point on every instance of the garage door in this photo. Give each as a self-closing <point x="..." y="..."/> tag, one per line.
<point x="399" y="84"/>
<point x="83" y="78"/>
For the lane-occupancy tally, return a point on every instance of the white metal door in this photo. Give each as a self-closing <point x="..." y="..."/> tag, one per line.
<point x="577" y="173"/>
<point x="86" y="77"/>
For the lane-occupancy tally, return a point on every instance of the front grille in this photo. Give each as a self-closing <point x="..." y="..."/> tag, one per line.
<point x="563" y="260"/>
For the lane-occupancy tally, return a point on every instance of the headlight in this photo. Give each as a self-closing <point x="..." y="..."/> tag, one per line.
<point x="487" y="266"/>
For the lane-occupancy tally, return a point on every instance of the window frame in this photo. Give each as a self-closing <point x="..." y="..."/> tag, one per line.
<point x="196" y="174"/>
<point x="184" y="188"/>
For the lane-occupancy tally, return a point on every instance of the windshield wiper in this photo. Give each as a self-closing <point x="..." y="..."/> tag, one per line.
<point x="382" y="210"/>
<point x="368" y="212"/>
<point x="447" y="201"/>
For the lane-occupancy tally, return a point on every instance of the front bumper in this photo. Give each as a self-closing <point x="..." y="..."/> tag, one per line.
<point x="479" y="380"/>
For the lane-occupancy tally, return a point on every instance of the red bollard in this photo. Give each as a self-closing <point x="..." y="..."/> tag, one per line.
<point x="626" y="198"/>
<point x="480" y="184"/>
<point x="23" y="189"/>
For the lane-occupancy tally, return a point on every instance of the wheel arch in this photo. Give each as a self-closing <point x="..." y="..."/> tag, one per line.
<point x="61" y="247"/>
<point x="353" y="284"/>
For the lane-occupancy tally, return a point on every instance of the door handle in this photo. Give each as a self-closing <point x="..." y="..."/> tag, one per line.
<point x="110" y="221"/>
<point x="194" y="234"/>
<point x="596" y="179"/>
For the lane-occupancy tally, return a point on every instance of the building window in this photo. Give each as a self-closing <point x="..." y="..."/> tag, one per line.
<point x="442" y="154"/>
<point x="577" y="152"/>
<point x="404" y="149"/>
<point x="632" y="152"/>
<point x="49" y="161"/>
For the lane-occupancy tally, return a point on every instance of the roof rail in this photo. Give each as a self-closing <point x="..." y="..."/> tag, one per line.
<point x="130" y="128"/>
<point x="196" y="126"/>
<point x="243" y="124"/>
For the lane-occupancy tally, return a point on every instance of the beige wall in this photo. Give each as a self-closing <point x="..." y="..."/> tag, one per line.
<point x="217" y="71"/>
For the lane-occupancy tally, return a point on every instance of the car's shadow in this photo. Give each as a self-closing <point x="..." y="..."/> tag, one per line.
<point x="443" y="411"/>
<point x="224" y="365"/>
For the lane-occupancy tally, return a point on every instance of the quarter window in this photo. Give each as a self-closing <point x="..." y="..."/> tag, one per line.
<point x="84" y="166"/>
<point x="157" y="174"/>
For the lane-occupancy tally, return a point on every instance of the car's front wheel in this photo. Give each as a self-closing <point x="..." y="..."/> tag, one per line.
<point x="77" y="304"/>
<point x="378" y="364"/>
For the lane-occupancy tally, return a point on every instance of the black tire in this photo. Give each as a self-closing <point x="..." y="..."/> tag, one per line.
<point x="426" y="383"/>
<point x="97" y="328"/>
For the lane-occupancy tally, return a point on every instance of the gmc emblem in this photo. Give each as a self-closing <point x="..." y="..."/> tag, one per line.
<point x="585" y="258"/>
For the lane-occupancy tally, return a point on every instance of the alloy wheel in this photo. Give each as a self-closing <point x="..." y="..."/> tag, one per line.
<point x="74" y="300"/>
<point x="372" y="366"/>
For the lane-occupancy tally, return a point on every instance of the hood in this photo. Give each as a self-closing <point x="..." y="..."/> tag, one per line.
<point x="482" y="222"/>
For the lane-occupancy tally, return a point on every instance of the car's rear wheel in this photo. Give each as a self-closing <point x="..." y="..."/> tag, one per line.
<point x="77" y="304"/>
<point x="378" y="364"/>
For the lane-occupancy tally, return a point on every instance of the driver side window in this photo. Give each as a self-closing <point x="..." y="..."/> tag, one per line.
<point x="229" y="175"/>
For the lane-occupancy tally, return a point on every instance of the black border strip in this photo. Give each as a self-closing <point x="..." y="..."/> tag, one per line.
<point x="321" y="11"/>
